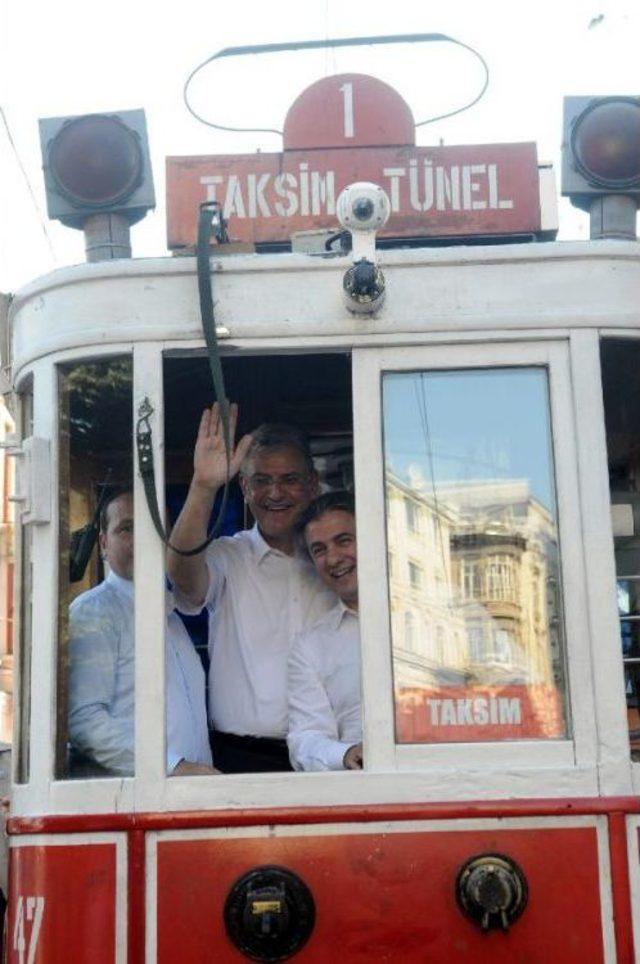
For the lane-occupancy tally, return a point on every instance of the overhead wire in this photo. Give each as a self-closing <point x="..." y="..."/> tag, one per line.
<point x="32" y="195"/>
<point x="332" y="44"/>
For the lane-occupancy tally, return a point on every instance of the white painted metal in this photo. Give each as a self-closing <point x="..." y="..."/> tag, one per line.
<point x="33" y="495"/>
<point x="374" y="616"/>
<point x="600" y="570"/>
<point x="45" y="604"/>
<point x="437" y="289"/>
<point x="513" y="305"/>
<point x="149" y="581"/>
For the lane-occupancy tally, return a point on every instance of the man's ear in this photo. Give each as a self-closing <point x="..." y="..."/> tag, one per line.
<point x="102" y="544"/>
<point x="243" y="486"/>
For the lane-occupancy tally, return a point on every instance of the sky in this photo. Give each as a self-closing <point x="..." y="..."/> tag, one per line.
<point x="72" y="57"/>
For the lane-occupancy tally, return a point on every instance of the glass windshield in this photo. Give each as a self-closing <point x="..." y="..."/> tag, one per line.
<point x="95" y="686"/>
<point x="474" y="579"/>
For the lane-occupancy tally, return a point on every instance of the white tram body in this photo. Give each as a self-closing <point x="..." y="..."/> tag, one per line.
<point x="481" y="413"/>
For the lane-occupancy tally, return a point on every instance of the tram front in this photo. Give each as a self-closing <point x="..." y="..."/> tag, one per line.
<point x="473" y="407"/>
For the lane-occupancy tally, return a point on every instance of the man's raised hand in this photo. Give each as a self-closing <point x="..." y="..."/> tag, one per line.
<point x="210" y="456"/>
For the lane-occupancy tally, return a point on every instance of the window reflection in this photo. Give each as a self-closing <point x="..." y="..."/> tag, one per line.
<point x="95" y="681"/>
<point x="471" y="526"/>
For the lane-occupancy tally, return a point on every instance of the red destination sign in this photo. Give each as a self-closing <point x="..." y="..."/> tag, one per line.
<point x="459" y="714"/>
<point x="355" y="128"/>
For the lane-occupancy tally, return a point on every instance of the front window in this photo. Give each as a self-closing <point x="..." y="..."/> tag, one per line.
<point x="471" y="451"/>
<point x="621" y="387"/>
<point x="95" y="685"/>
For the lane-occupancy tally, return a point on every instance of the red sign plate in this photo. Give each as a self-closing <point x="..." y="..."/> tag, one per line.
<point x="459" y="714"/>
<point x="363" y="132"/>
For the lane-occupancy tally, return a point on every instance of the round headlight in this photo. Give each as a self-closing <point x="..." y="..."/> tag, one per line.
<point x="605" y="142"/>
<point x="96" y="161"/>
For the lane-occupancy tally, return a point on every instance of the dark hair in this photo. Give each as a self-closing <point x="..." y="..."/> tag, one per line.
<point x="113" y="493"/>
<point x="337" y="501"/>
<point x="271" y="435"/>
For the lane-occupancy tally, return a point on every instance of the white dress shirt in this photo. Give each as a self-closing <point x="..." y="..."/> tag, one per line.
<point x="324" y="692"/>
<point x="102" y="682"/>
<point x="260" y="599"/>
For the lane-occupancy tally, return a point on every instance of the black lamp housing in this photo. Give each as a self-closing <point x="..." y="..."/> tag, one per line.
<point x="600" y="148"/>
<point x="97" y="163"/>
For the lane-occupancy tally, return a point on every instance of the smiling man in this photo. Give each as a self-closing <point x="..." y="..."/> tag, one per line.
<point x="259" y="585"/>
<point x="102" y="667"/>
<point x="325" y="727"/>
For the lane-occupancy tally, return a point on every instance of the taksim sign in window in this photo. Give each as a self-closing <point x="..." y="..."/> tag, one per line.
<point x="477" y="636"/>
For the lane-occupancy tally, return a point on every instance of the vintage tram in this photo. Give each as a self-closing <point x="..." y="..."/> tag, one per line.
<point x="486" y="413"/>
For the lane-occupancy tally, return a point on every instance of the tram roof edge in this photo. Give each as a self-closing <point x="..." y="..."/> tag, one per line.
<point x="243" y="262"/>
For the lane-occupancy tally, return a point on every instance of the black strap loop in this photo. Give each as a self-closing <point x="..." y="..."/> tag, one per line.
<point x="208" y="212"/>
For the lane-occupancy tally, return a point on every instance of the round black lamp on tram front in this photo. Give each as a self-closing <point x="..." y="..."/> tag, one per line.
<point x="96" y="160"/>
<point x="601" y="162"/>
<point x="605" y="142"/>
<point x="97" y="173"/>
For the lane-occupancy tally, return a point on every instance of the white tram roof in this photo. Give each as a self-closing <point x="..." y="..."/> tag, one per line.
<point x="297" y="299"/>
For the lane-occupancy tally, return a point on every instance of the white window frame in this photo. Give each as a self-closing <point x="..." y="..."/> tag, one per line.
<point x="579" y="766"/>
<point x="576" y="756"/>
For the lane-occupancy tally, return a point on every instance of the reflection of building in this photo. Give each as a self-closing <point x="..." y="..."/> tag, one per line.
<point x="429" y="637"/>
<point x="473" y="577"/>
<point x="504" y="559"/>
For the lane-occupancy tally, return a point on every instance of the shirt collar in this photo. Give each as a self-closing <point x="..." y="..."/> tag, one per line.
<point x="338" y="613"/>
<point x="261" y="547"/>
<point x="123" y="586"/>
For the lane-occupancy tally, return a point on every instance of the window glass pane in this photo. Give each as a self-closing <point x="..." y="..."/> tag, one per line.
<point x="476" y="625"/>
<point x="247" y="625"/>
<point x="621" y="388"/>
<point x="95" y="685"/>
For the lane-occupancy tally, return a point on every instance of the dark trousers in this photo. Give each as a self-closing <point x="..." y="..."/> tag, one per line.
<point x="248" y="754"/>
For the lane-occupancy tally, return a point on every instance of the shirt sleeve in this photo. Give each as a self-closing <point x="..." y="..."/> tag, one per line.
<point x="95" y="641"/>
<point x="187" y="733"/>
<point x="313" y="734"/>
<point x="216" y="576"/>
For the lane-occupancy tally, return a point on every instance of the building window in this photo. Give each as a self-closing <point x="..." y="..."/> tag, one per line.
<point x="471" y="579"/>
<point x="412" y="514"/>
<point x="415" y="576"/>
<point x="476" y="644"/>
<point x="501" y="578"/>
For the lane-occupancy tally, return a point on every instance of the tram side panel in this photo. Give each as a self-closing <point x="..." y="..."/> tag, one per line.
<point x="66" y="901"/>
<point x="387" y="892"/>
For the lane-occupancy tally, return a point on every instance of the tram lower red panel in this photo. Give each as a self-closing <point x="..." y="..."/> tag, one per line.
<point x="389" y="897"/>
<point x="62" y="906"/>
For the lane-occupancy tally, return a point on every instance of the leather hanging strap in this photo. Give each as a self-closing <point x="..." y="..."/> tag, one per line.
<point x="144" y="440"/>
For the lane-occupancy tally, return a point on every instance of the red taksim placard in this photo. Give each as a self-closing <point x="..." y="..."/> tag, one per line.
<point x="458" y="714"/>
<point x="350" y="128"/>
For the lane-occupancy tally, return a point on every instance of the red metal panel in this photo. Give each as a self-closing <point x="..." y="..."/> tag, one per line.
<point x="136" y="896"/>
<point x="434" y="191"/>
<point x="621" y="888"/>
<point x="390" y="897"/>
<point x="348" y="110"/>
<point x="557" y="806"/>
<point x="62" y="904"/>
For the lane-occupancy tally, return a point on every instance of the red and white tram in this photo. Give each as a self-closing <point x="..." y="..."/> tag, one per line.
<point x="487" y="415"/>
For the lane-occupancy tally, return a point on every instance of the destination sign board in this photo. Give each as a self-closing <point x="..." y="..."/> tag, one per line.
<point x="434" y="191"/>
